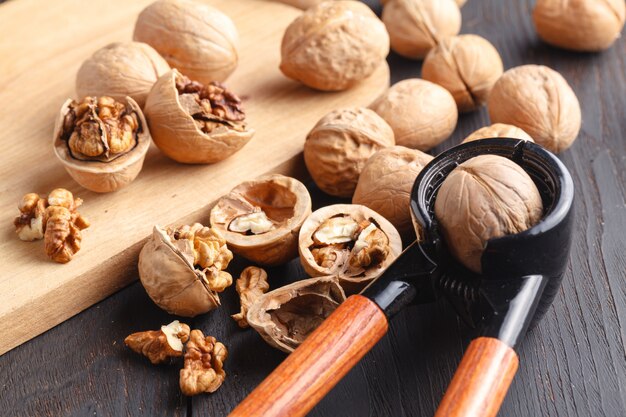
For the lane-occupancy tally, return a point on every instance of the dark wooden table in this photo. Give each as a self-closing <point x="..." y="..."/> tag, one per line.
<point x="572" y="364"/>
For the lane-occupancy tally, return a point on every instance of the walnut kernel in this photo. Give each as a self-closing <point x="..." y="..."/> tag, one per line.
<point x="251" y="284"/>
<point x="204" y="364"/>
<point x="160" y="345"/>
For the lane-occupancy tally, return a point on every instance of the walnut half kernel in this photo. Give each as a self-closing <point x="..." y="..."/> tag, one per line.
<point x="204" y="364"/>
<point x="251" y="285"/>
<point x="160" y="346"/>
<point x="255" y="223"/>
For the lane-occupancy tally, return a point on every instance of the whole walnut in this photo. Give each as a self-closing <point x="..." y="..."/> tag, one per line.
<point x="485" y="197"/>
<point x="334" y="45"/>
<point x="195" y="38"/>
<point x="467" y="66"/>
<point x="498" y="130"/>
<point x="422" y="114"/>
<point x="580" y="25"/>
<point x="386" y="182"/>
<point x="121" y="69"/>
<point x="416" y="26"/>
<point x="538" y="100"/>
<point x="340" y="144"/>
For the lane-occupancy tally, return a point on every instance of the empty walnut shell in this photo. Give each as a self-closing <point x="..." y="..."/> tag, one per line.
<point x="334" y="250"/>
<point x="268" y="213"/>
<point x="334" y="45"/>
<point x="167" y="272"/>
<point x="386" y="182"/>
<point x="196" y="38"/>
<point x="191" y="129"/>
<point x="121" y="69"/>
<point x="498" y="130"/>
<point x="103" y="176"/>
<point x="285" y="316"/>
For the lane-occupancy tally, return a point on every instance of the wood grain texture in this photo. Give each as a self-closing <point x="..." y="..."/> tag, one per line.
<point x="572" y="364"/>
<point x="481" y="381"/>
<point x="312" y="370"/>
<point x="41" y="50"/>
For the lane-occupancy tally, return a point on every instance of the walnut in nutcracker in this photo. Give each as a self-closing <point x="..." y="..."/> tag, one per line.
<point x="386" y="182"/>
<point x="101" y="142"/>
<point x="285" y="316"/>
<point x="120" y="70"/>
<point x="538" y="100"/>
<point x="195" y="123"/>
<point x="260" y="219"/>
<point x="160" y="346"/>
<point x="580" y="25"/>
<point x="334" y="45"/>
<point x="339" y="145"/>
<point x="422" y="114"/>
<point x="182" y="269"/>
<point x="416" y="26"/>
<point x="204" y="364"/>
<point x="350" y="241"/>
<point x="196" y="38"/>
<point x="251" y="285"/>
<point x="498" y="130"/>
<point x="467" y="66"/>
<point x="485" y="197"/>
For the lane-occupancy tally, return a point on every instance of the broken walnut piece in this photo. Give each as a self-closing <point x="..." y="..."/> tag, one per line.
<point x="204" y="360"/>
<point x="255" y="223"/>
<point x="370" y="248"/>
<point x="160" y="345"/>
<point x="29" y="225"/>
<point x="251" y="284"/>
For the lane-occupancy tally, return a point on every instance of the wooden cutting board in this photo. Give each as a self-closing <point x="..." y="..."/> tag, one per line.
<point x="42" y="44"/>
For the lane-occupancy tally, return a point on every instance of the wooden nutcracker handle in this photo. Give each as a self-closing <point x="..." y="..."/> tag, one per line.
<point x="314" y="368"/>
<point x="481" y="380"/>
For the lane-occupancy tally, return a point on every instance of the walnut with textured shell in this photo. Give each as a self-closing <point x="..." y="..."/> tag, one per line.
<point x="101" y="173"/>
<point x="190" y="128"/>
<point x="498" y="130"/>
<point x="350" y="241"/>
<point x="275" y="206"/>
<point x="285" y="316"/>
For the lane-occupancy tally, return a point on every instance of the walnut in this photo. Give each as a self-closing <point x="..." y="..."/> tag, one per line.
<point x="195" y="123"/>
<point x="339" y="145"/>
<point x="485" y="197"/>
<point x="250" y="286"/>
<point x="416" y="26"/>
<point x="422" y="114"/>
<point x="580" y="25"/>
<point x="160" y="346"/>
<point x="101" y="142"/>
<point x="182" y="269"/>
<point x="334" y="45"/>
<point x="196" y="38"/>
<point x="467" y="66"/>
<point x="204" y="364"/>
<point x="538" y="100"/>
<point x="285" y="316"/>
<point x="386" y="182"/>
<point x="260" y="219"/>
<point x="498" y="130"/>
<point x="54" y="219"/>
<point x="350" y="241"/>
<point x="119" y="70"/>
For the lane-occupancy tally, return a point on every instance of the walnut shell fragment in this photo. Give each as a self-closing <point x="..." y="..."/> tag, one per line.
<point x="196" y="38"/>
<point x="160" y="346"/>
<point x="204" y="364"/>
<point x="386" y="182"/>
<point x="334" y="45"/>
<point x="194" y="123"/>
<point x="485" y="197"/>
<point x="101" y="142"/>
<point x="538" y="100"/>
<point x="498" y="130"/>
<point x="285" y="316"/>
<point x="261" y="219"/>
<point x="119" y="70"/>
<point x="422" y="114"/>
<point x="350" y="241"/>
<point x="251" y="284"/>
<point x="339" y="145"/>
<point x="182" y="269"/>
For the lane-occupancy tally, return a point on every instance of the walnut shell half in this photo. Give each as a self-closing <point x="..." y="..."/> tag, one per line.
<point x="103" y="173"/>
<point x="285" y="316"/>
<point x="350" y="241"/>
<point x="194" y="123"/>
<point x="261" y="219"/>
